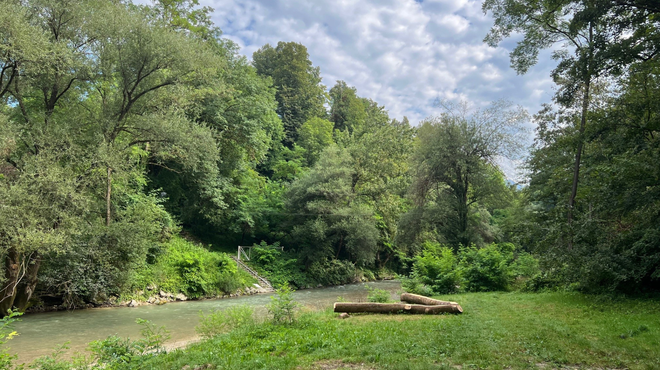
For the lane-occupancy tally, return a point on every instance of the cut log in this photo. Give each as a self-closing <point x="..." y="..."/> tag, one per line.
<point x="420" y="299"/>
<point x="396" y="308"/>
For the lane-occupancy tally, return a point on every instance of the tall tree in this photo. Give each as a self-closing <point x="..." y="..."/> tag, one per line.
<point x="455" y="159"/>
<point x="300" y="94"/>
<point x="347" y="110"/>
<point x="105" y="100"/>
<point x="596" y="38"/>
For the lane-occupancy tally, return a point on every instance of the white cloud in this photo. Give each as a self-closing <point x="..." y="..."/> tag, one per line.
<point x="403" y="54"/>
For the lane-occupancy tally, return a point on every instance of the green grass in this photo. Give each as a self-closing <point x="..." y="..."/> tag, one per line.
<point x="496" y="331"/>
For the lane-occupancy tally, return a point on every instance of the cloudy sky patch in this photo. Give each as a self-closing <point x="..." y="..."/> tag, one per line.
<point x="404" y="54"/>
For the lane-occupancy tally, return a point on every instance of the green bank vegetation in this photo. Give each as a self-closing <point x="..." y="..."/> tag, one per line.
<point x="125" y="127"/>
<point x="496" y="331"/>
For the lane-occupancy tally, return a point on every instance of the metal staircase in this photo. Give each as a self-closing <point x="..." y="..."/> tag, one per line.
<point x="262" y="281"/>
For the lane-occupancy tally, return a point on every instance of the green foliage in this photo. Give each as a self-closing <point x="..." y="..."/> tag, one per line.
<point x="185" y="267"/>
<point x="415" y="286"/>
<point x="329" y="221"/>
<point x="315" y="135"/>
<point x="223" y="321"/>
<point x="58" y="361"/>
<point x="280" y="268"/>
<point x="437" y="268"/>
<point x="283" y="268"/>
<point x="104" y="261"/>
<point x="115" y="352"/>
<point x="487" y="269"/>
<point x="6" y="334"/>
<point x="378" y="295"/>
<point x="300" y="95"/>
<point x="491" y="268"/>
<point x="282" y="306"/>
<point x="332" y="272"/>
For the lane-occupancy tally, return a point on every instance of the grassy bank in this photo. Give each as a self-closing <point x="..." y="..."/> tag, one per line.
<point x="497" y="331"/>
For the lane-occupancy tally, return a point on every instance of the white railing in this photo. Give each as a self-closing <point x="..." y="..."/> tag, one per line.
<point x="246" y="252"/>
<point x="265" y="283"/>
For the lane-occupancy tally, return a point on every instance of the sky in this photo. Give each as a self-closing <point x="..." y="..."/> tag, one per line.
<point x="404" y="54"/>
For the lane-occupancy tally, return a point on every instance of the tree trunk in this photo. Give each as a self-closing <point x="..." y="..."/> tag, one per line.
<point x="25" y="290"/>
<point x="583" y="123"/>
<point x="420" y="299"/>
<point x="12" y="272"/>
<point x="578" y="154"/>
<point x="395" y="308"/>
<point x="108" y="194"/>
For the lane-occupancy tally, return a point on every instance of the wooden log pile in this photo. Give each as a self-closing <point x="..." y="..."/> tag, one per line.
<point x="413" y="303"/>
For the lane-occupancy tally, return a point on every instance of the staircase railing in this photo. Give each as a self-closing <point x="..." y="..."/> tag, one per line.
<point x="265" y="283"/>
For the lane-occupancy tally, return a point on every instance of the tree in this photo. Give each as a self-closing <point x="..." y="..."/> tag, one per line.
<point x="85" y="119"/>
<point x="315" y="136"/>
<point x="455" y="159"/>
<point x="598" y="38"/>
<point x="614" y="246"/>
<point x="347" y="110"/>
<point x="327" y="219"/>
<point x="239" y="107"/>
<point x="300" y="95"/>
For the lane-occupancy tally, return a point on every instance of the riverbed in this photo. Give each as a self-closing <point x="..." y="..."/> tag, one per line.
<point x="41" y="333"/>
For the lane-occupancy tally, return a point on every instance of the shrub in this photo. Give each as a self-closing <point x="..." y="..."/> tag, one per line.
<point x="191" y="269"/>
<point x="282" y="306"/>
<point x="378" y="295"/>
<point x="223" y="321"/>
<point x="436" y="268"/>
<point x="6" y="334"/>
<point x="332" y="272"/>
<point x="486" y="269"/>
<point x="114" y="350"/>
<point x="413" y="285"/>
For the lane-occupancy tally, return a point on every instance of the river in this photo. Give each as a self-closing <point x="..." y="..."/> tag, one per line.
<point x="41" y="333"/>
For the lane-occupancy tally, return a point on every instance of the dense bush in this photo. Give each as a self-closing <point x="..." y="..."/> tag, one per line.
<point x="494" y="267"/>
<point x="332" y="272"/>
<point x="191" y="269"/>
<point x="436" y="267"/>
<point x="486" y="269"/>
<point x="378" y="295"/>
<point x="281" y="268"/>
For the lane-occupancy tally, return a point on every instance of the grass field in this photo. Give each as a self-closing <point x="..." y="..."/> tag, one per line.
<point x="496" y="331"/>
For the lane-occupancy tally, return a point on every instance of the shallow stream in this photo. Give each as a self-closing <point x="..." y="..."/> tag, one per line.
<point x="41" y="333"/>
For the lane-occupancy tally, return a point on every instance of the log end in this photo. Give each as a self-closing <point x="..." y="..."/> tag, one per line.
<point x="459" y="308"/>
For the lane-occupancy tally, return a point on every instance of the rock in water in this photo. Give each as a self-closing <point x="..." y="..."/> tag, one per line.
<point x="133" y="303"/>
<point x="181" y="297"/>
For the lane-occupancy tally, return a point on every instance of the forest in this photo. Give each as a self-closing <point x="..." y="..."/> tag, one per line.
<point x="139" y="148"/>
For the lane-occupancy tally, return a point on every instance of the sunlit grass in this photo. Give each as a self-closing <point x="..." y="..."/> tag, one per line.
<point x="496" y="331"/>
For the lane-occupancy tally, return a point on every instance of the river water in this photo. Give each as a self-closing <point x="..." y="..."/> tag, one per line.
<point x="41" y="333"/>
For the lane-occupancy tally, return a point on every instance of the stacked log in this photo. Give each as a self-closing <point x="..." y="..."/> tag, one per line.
<point x="396" y="308"/>
<point x="420" y="299"/>
<point x="425" y="305"/>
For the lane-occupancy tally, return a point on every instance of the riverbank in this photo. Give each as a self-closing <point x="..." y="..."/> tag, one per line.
<point x="40" y="334"/>
<point x="496" y="331"/>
